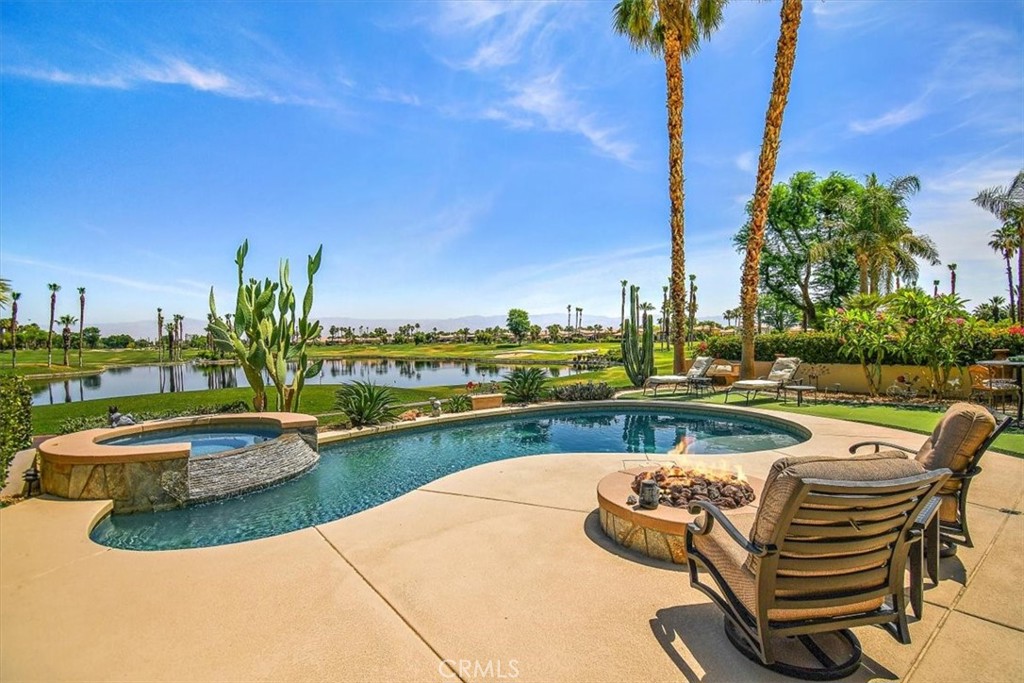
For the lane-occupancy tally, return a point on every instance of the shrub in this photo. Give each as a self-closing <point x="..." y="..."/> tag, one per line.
<point x="583" y="392"/>
<point x="15" y="421"/>
<point x="367" y="404"/>
<point x="78" y="424"/>
<point x="525" y="385"/>
<point x="459" y="403"/>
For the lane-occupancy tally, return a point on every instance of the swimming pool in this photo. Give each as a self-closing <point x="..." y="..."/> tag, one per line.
<point x="361" y="473"/>
<point x="205" y="440"/>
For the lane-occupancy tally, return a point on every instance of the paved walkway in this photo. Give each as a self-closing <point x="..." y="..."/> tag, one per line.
<point x="497" y="573"/>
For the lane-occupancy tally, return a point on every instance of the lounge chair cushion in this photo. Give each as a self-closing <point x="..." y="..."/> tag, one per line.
<point x="666" y="379"/>
<point x="700" y="367"/>
<point x="729" y="559"/>
<point x="783" y="369"/>
<point x="956" y="439"/>
<point x="755" y="384"/>
<point x="786" y="474"/>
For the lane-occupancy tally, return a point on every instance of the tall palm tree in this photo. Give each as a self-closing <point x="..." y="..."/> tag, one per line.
<point x="1006" y="241"/>
<point x="81" y="322"/>
<point x="160" y="335"/>
<point x="952" y="278"/>
<point x="895" y="255"/>
<point x="785" y="57"/>
<point x="14" y="327"/>
<point x="67" y="321"/>
<point x="568" y="316"/>
<point x="579" y="318"/>
<point x="54" y="288"/>
<point x="1007" y="204"/>
<point x="622" y="315"/>
<point x="674" y="30"/>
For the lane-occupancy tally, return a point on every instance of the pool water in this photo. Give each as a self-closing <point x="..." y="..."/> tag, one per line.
<point x="359" y="474"/>
<point x="204" y="440"/>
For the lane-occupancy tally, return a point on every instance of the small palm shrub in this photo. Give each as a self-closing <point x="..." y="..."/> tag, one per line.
<point x="459" y="403"/>
<point x="366" y="403"/>
<point x="583" y="392"/>
<point x="525" y="385"/>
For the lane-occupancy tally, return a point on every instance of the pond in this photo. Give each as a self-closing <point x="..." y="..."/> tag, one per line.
<point x="139" y="380"/>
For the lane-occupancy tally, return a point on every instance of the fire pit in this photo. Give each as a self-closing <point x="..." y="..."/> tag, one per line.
<point x="727" y="490"/>
<point x="659" y="533"/>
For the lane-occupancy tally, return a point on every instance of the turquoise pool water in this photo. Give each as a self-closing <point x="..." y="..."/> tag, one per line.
<point x="359" y="474"/>
<point x="204" y="440"/>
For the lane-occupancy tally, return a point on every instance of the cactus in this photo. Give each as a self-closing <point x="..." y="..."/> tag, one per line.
<point x="264" y="342"/>
<point x="637" y="345"/>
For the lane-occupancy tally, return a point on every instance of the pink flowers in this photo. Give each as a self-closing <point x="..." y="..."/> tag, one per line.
<point x="840" y="311"/>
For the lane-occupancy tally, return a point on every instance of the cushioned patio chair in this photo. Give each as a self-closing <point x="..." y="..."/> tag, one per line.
<point x="959" y="440"/>
<point x="782" y="373"/>
<point x="827" y="552"/>
<point x="986" y="386"/>
<point x="696" y="376"/>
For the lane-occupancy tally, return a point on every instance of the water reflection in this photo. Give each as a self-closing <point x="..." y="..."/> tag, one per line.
<point x="152" y="379"/>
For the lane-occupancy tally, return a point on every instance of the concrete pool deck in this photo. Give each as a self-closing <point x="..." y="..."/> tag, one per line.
<point x="501" y="571"/>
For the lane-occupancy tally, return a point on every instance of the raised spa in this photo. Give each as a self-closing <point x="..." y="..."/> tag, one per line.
<point x="204" y="440"/>
<point x="360" y="473"/>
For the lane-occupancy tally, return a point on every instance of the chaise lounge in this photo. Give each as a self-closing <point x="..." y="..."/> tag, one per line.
<point x="696" y="376"/>
<point x="781" y="374"/>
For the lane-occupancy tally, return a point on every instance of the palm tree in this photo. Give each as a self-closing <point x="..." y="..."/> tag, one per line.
<point x="896" y="256"/>
<point x="54" y="288"/>
<point x="1007" y="204"/>
<point x="160" y="334"/>
<point x="952" y="278"/>
<point x="673" y="29"/>
<point x="645" y="308"/>
<point x="785" y="57"/>
<point x="67" y="321"/>
<point x="81" y="321"/>
<point x="579" y="318"/>
<point x="935" y="286"/>
<point x="568" y="316"/>
<point x="1006" y="241"/>
<point x="14" y="327"/>
<point x="5" y="292"/>
<point x="622" y="315"/>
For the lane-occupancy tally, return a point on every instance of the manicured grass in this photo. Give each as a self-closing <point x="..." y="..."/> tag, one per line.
<point x="33" y="363"/>
<point x="920" y="420"/>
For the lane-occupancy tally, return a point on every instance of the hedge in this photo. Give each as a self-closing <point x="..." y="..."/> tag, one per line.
<point x="823" y="347"/>
<point x="15" y="421"/>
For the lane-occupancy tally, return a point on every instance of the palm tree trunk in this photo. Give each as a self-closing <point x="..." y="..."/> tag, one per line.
<point x="1020" y="271"/>
<point x="81" y="326"/>
<point x="785" y="57"/>
<point x="49" y="334"/>
<point x="676" y="194"/>
<point x="1009" y="281"/>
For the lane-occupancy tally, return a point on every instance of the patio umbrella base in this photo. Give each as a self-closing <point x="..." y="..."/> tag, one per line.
<point x="816" y="657"/>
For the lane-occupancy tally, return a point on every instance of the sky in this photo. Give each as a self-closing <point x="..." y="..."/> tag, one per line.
<point x="459" y="158"/>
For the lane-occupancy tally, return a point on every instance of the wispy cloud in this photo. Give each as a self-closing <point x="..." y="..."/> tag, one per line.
<point x="895" y="118"/>
<point x="850" y="16"/>
<point x="129" y="283"/>
<point x="747" y="161"/>
<point x="500" y="30"/>
<point x="383" y="94"/>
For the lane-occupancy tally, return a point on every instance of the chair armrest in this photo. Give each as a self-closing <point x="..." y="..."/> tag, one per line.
<point x="704" y="523"/>
<point x="967" y="474"/>
<point x="876" y="444"/>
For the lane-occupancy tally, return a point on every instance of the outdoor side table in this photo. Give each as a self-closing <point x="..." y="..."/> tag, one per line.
<point x="799" y="389"/>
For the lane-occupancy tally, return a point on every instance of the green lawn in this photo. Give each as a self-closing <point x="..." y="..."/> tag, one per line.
<point x="33" y="363"/>
<point x="920" y="420"/>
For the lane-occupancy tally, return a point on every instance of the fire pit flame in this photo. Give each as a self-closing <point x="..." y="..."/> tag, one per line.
<point x="679" y="486"/>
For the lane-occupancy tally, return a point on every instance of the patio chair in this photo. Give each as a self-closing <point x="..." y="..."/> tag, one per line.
<point x="782" y="373"/>
<point x="696" y="376"/>
<point x="827" y="552"/>
<point x="984" y="385"/>
<point x="962" y="436"/>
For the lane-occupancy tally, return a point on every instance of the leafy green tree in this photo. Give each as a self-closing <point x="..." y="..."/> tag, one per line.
<point x="518" y="324"/>
<point x="554" y="331"/>
<point x="91" y="337"/>
<point x="777" y="313"/>
<point x="1007" y="204"/>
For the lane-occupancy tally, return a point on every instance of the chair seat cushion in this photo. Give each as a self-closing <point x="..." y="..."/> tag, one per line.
<point x="756" y="384"/>
<point x="729" y="560"/>
<point x="666" y="379"/>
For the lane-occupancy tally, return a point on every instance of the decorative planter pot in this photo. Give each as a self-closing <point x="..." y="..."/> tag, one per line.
<point x="482" y="401"/>
<point x="1000" y="354"/>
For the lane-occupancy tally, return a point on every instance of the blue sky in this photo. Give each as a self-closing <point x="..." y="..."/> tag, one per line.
<point x="464" y="158"/>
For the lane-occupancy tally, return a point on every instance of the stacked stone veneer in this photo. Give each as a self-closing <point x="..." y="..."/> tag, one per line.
<point x="145" y="479"/>
<point x="249" y="469"/>
<point x="651" y="542"/>
<point x="133" y="486"/>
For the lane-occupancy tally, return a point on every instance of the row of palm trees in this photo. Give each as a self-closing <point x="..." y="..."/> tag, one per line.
<point x="674" y="30"/>
<point x="7" y="295"/>
<point x="1007" y="204"/>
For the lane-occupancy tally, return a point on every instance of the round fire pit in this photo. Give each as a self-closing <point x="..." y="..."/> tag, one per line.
<point x="659" y="533"/>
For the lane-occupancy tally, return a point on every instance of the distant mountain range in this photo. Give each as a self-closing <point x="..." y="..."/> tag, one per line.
<point x="147" y="328"/>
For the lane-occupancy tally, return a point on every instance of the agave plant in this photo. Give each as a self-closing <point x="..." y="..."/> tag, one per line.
<point x="459" y="403"/>
<point x="525" y="385"/>
<point x="367" y="404"/>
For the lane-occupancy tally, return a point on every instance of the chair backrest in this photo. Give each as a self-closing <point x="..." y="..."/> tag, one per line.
<point x="837" y="530"/>
<point x="783" y="369"/>
<point x="957" y="438"/>
<point x="700" y="367"/>
<point x="980" y="377"/>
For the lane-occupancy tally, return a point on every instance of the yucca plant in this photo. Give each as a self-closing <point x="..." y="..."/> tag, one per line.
<point x="366" y="404"/>
<point x="525" y="385"/>
<point x="459" y="403"/>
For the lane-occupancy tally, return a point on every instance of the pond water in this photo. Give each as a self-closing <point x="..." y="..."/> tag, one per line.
<point x="160" y="379"/>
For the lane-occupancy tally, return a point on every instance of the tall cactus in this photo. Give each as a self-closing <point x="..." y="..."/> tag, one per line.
<point x="637" y="345"/>
<point x="263" y="341"/>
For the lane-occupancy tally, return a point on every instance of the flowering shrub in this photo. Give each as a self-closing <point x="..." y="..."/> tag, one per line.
<point x="934" y="330"/>
<point x="866" y="337"/>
